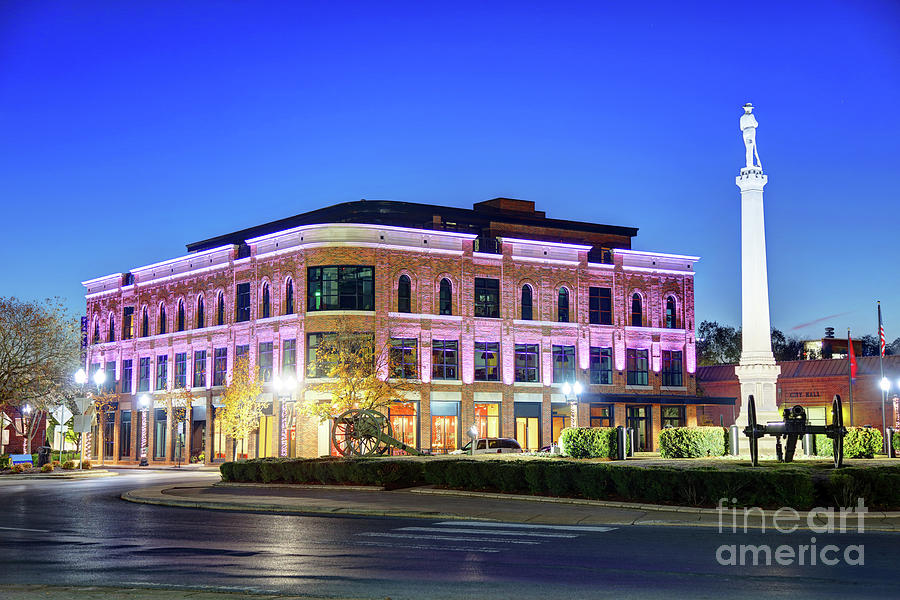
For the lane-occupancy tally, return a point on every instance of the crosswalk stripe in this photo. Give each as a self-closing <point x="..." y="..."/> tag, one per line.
<point x="447" y="538"/>
<point x="594" y="528"/>
<point x="395" y="546"/>
<point x="494" y="532"/>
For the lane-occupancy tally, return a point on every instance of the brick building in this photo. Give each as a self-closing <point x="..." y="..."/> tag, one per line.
<point x="491" y="310"/>
<point x="813" y="384"/>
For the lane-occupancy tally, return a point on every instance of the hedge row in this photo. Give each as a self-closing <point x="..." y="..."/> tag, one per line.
<point x="895" y="441"/>
<point x="766" y="487"/>
<point x="860" y="442"/>
<point x="693" y="442"/>
<point x="589" y="442"/>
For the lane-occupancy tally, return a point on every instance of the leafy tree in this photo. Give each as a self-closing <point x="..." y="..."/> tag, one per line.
<point x="357" y="370"/>
<point x="242" y="411"/>
<point x="717" y="344"/>
<point x="39" y="352"/>
<point x="870" y="345"/>
<point x="786" y="348"/>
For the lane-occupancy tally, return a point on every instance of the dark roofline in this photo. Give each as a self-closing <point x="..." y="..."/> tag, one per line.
<point x="404" y="214"/>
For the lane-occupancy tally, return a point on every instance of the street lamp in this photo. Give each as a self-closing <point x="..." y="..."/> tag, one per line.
<point x="284" y="387"/>
<point x="144" y="402"/>
<point x="571" y="392"/>
<point x="80" y="377"/>
<point x="99" y="378"/>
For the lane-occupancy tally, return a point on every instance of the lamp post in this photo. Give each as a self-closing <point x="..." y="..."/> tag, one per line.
<point x="284" y="388"/>
<point x="571" y="392"/>
<point x="26" y="426"/>
<point x="144" y="402"/>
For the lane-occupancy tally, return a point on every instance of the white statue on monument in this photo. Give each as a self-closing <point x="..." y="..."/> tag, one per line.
<point x="748" y="127"/>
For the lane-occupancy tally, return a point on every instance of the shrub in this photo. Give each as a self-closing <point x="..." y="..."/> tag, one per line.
<point x="692" y="442"/>
<point x="18" y="468"/>
<point x="55" y="463"/>
<point x="48" y="468"/>
<point x="68" y="465"/>
<point x="824" y="445"/>
<point x="860" y="442"/>
<point x="895" y="442"/>
<point x="4" y="461"/>
<point x="86" y="464"/>
<point x="589" y="442"/>
<point x="863" y="442"/>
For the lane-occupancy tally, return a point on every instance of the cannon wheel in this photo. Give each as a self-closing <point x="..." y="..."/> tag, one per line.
<point x="751" y="422"/>
<point x="837" y="422"/>
<point x="360" y="433"/>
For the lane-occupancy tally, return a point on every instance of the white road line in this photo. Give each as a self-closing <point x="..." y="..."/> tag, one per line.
<point x="418" y="547"/>
<point x="518" y="533"/>
<point x="447" y="538"/>
<point x="25" y="529"/>
<point x="595" y="528"/>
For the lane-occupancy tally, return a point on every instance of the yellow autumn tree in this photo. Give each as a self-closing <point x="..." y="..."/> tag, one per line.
<point x="354" y="365"/>
<point x="242" y="411"/>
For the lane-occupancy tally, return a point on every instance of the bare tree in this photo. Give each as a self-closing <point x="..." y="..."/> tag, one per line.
<point x="39" y="352"/>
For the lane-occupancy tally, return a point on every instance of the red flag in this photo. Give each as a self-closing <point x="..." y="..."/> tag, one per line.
<point x="852" y="356"/>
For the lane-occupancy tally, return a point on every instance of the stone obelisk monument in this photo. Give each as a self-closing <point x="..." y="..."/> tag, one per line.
<point x="757" y="371"/>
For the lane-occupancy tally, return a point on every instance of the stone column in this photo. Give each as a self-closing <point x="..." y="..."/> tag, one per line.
<point x="757" y="371"/>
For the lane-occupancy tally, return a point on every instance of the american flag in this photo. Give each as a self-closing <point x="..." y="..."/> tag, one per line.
<point x="880" y="330"/>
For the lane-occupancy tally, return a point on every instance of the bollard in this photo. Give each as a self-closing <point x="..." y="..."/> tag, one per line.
<point x="735" y="440"/>
<point x="808" y="444"/>
<point x="620" y="443"/>
<point x="891" y="432"/>
<point x="630" y="433"/>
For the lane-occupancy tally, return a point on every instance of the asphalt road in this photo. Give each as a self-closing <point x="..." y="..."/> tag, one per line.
<point x="78" y="532"/>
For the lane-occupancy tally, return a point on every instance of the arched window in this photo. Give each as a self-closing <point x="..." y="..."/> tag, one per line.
<point x="201" y="318"/>
<point x="637" y="311"/>
<point x="446" y="297"/>
<point x="670" y="313"/>
<point x="220" y="309"/>
<point x="180" y="318"/>
<point x="162" y="319"/>
<point x="111" y="334"/>
<point x="404" y="295"/>
<point x="527" y="313"/>
<point x="145" y="323"/>
<point x="562" y="308"/>
<point x="265" y="301"/>
<point x="289" y="297"/>
<point x="96" y="330"/>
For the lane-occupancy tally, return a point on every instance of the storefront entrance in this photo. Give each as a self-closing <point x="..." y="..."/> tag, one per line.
<point x="638" y="418"/>
<point x="528" y="425"/>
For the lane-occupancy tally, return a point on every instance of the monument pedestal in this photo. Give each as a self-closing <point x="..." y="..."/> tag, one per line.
<point x="758" y="380"/>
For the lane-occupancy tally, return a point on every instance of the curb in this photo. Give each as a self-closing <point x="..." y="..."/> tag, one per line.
<point x="86" y="475"/>
<point x="141" y="497"/>
<point x="155" y="496"/>
<point x="607" y="504"/>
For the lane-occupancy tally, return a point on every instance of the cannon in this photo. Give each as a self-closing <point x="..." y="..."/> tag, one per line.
<point x="365" y="432"/>
<point x="792" y="427"/>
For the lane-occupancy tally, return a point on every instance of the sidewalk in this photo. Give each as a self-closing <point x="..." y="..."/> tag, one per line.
<point x="60" y="474"/>
<point x="431" y="503"/>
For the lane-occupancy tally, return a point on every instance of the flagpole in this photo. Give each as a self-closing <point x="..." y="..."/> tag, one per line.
<point x="850" y="374"/>
<point x="881" y="342"/>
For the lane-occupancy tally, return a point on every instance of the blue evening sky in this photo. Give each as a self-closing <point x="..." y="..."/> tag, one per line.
<point x="128" y="129"/>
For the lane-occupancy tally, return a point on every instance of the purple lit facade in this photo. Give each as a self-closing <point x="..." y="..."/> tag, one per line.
<point x="492" y="310"/>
